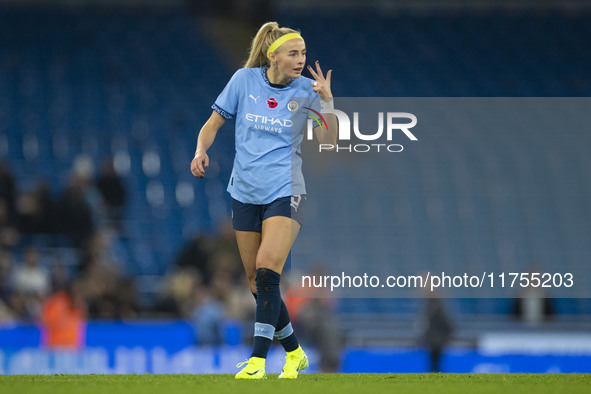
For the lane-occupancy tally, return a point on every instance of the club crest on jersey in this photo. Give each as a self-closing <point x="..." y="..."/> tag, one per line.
<point x="292" y="106"/>
<point x="272" y="103"/>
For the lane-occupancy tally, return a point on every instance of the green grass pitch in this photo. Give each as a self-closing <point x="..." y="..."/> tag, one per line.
<point x="305" y="384"/>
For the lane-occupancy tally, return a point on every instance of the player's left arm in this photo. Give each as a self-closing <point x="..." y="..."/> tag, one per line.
<point x="321" y="85"/>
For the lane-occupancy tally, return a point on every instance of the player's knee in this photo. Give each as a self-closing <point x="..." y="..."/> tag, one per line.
<point x="269" y="260"/>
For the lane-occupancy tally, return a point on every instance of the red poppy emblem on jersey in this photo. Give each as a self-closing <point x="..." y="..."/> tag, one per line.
<point x="272" y="103"/>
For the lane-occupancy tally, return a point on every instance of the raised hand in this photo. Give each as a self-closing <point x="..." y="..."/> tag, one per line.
<point x="321" y="85"/>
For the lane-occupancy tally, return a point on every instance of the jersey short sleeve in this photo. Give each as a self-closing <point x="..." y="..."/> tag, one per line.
<point x="227" y="102"/>
<point x="314" y="104"/>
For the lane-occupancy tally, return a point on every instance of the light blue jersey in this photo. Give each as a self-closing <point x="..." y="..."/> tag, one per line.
<point x="269" y="131"/>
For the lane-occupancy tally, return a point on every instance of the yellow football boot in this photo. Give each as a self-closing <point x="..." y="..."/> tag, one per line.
<point x="255" y="369"/>
<point x="295" y="362"/>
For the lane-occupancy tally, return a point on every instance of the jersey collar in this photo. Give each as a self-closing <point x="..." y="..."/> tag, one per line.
<point x="264" y="74"/>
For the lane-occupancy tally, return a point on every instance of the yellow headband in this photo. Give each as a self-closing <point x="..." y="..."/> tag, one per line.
<point x="278" y="42"/>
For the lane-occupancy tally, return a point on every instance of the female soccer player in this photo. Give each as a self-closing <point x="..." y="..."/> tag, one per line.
<point x="266" y="184"/>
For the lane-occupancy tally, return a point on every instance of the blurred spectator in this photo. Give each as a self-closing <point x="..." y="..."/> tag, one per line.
<point x="436" y="330"/>
<point x="113" y="192"/>
<point x="177" y="296"/>
<point x="237" y="303"/>
<point x="6" y="262"/>
<point x="127" y="302"/>
<point x="21" y="308"/>
<point x="225" y="243"/>
<point x="208" y="318"/>
<point x="533" y="306"/>
<point x="196" y="256"/>
<point x="227" y="264"/>
<point x="63" y="318"/>
<point x="100" y="290"/>
<point x="6" y="315"/>
<point x="102" y="247"/>
<point x="36" y="210"/>
<point x="59" y="275"/>
<point x="8" y="192"/>
<point x="209" y="314"/>
<point x="74" y="212"/>
<point x="30" y="285"/>
<point x="238" y="306"/>
<point x="312" y="312"/>
<point x="100" y="274"/>
<point x="9" y="235"/>
<point x="319" y="326"/>
<point x="30" y="278"/>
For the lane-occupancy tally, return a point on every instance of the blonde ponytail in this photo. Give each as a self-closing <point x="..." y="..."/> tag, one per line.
<point x="268" y="33"/>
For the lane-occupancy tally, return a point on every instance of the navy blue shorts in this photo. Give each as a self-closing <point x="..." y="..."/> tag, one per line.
<point x="250" y="217"/>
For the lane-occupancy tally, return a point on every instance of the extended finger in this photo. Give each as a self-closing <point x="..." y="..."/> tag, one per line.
<point x="328" y="75"/>
<point x="319" y="70"/>
<point x="316" y="77"/>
